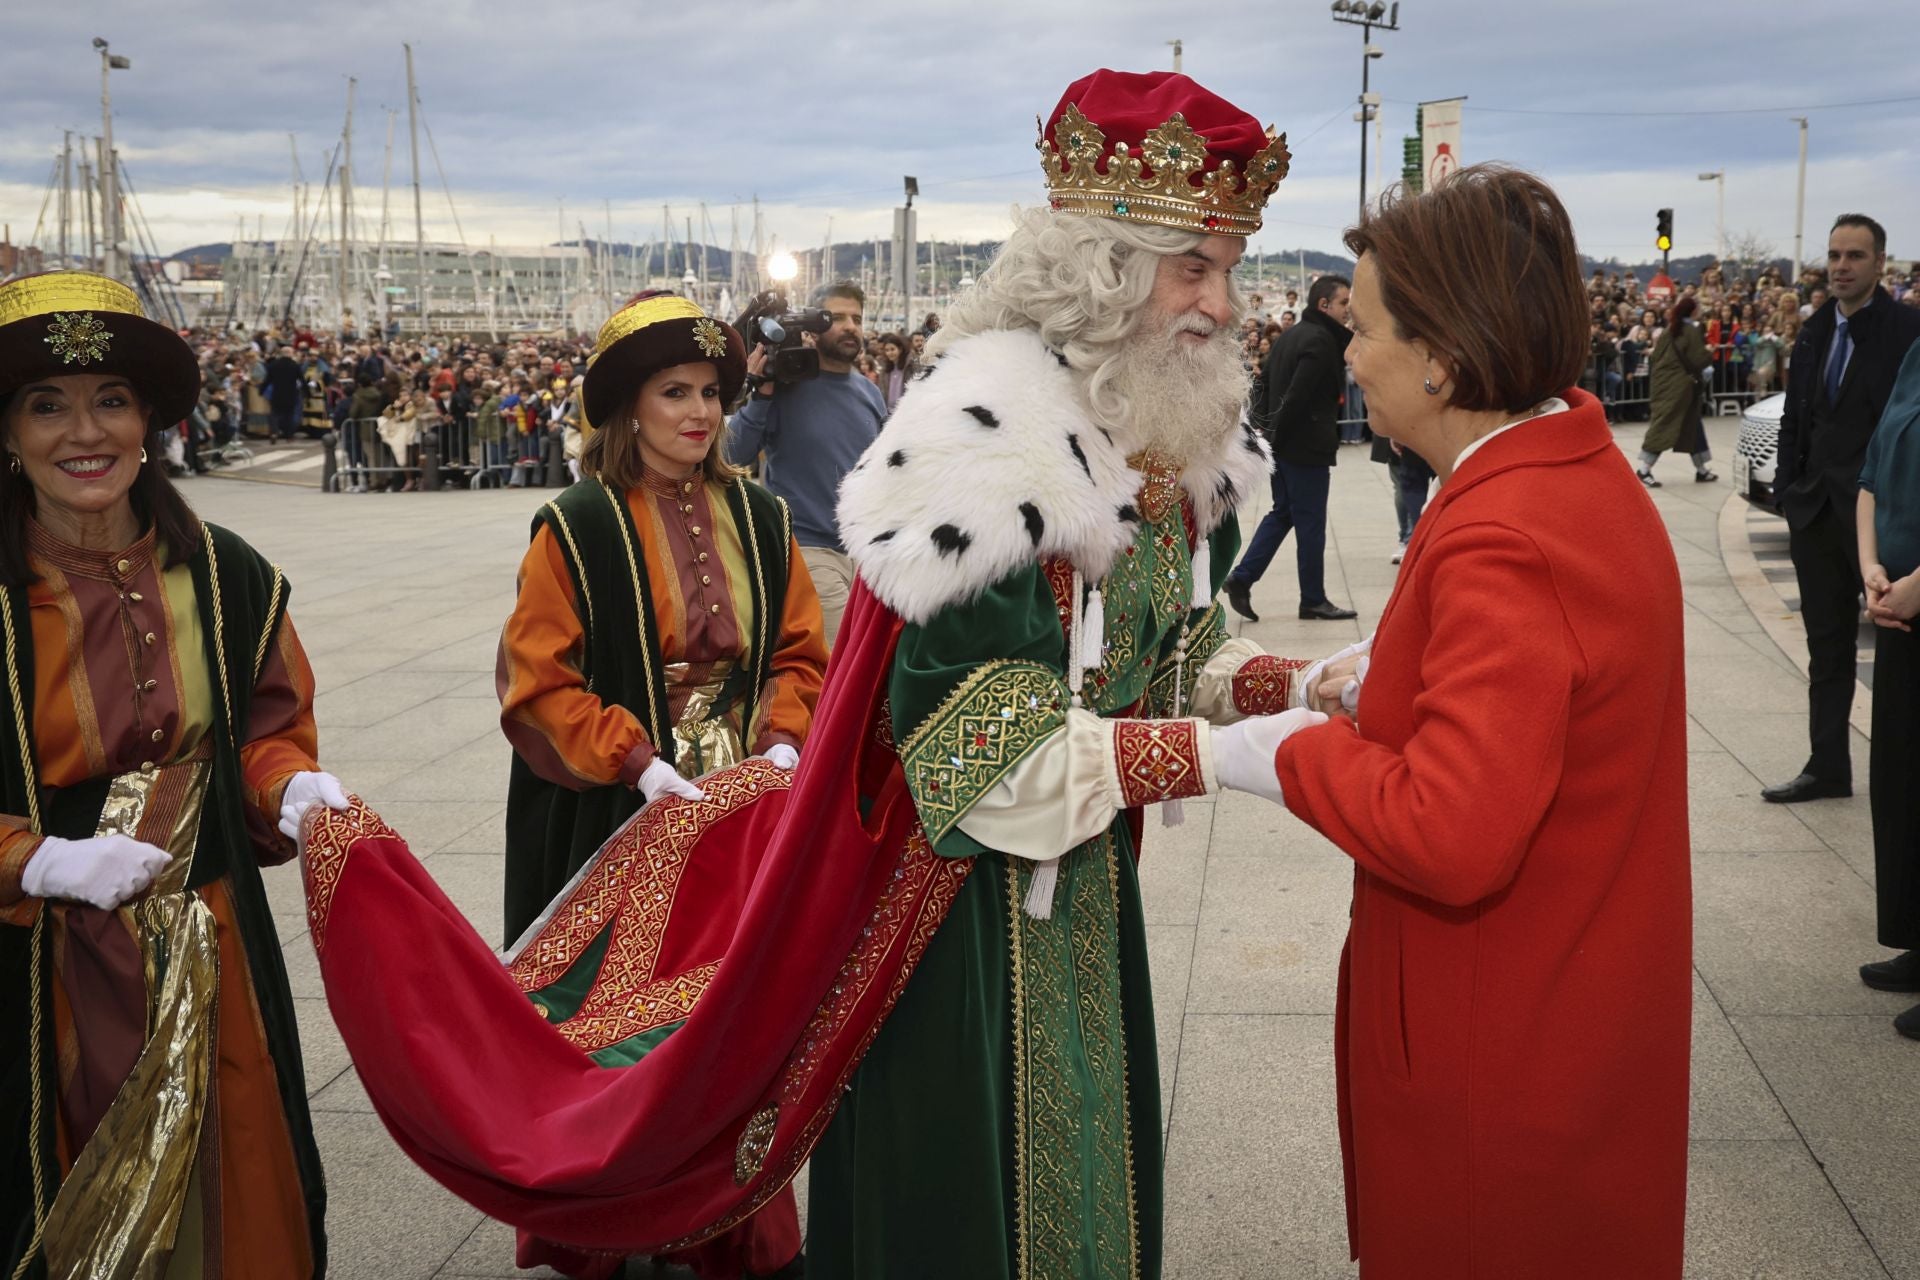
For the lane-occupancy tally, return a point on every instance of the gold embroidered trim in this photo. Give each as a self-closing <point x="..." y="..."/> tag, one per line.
<point x="20" y="719"/>
<point x="986" y="726"/>
<point x="35" y="1029"/>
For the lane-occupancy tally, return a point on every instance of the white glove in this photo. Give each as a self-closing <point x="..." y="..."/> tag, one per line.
<point x="1243" y="752"/>
<point x="302" y="792"/>
<point x="782" y="755"/>
<point x="661" y="779"/>
<point x="1350" y="692"/>
<point x="103" y="871"/>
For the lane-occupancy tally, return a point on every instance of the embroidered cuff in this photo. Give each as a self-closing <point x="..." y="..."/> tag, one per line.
<point x="17" y="846"/>
<point x="1157" y="760"/>
<point x="1264" y="685"/>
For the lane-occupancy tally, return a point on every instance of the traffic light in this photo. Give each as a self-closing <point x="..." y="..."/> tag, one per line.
<point x="1663" y="230"/>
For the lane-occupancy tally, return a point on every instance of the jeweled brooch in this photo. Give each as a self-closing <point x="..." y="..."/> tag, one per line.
<point x="712" y="342"/>
<point x="78" y="337"/>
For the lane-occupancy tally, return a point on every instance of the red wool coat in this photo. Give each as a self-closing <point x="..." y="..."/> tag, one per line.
<point x="1514" y="1002"/>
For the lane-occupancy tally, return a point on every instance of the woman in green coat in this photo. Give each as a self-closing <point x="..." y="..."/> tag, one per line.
<point x="1678" y="359"/>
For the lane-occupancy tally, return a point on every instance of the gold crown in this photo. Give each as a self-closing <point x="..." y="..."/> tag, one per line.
<point x="1224" y="202"/>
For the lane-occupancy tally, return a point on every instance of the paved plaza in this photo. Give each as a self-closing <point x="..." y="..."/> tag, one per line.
<point x="1805" y="1128"/>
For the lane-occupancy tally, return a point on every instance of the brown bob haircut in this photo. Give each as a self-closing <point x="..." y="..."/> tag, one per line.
<point x="1483" y="269"/>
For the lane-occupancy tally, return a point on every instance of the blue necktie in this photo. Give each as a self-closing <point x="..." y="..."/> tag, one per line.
<point x="1837" y="361"/>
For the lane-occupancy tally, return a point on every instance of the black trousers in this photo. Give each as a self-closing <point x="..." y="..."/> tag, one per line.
<point x="1826" y="561"/>
<point x="1892" y="771"/>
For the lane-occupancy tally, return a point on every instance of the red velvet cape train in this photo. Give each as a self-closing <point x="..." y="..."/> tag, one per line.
<point x="780" y="923"/>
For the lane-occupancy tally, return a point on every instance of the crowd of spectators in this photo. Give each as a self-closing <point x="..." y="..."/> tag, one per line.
<point x="486" y="407"/>
<point x="1750" y="321"/>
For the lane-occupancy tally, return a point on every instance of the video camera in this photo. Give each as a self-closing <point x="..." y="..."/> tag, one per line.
<point x="767" y="320"/>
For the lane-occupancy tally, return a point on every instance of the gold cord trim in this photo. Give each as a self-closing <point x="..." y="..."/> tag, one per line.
<point x="20" y="719"/>
<point x="656" y="727"/>
<point x="573" y="549"/>
<point x="219" y="627"/>
<point x="1023" y="1244"/>
<point x="266" y="635"/>
<point x="760" y="663"/>
<point x="33" y="1049"/>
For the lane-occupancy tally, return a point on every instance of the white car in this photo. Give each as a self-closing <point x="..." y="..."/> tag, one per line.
<point x="1755" y="454"/>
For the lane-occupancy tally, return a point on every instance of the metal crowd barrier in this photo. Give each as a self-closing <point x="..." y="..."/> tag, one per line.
<point x="1624" y="382"/>
<point x="358" y="460"/>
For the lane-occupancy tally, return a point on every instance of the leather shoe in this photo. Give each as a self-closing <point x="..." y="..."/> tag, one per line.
<point x="1326" y="611"/>
<point x="1239" y="598"/>
<point x="1908" y="1023"/>
<point x="1805" y="787"/>
<point x="1902" y="973"/>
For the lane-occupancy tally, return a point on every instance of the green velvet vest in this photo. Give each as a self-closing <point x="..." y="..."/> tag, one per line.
<point x="242" y="599"/>
<point x="552" y="830"/>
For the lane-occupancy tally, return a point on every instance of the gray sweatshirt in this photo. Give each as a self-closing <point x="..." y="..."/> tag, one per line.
<point x="812" y="433"/>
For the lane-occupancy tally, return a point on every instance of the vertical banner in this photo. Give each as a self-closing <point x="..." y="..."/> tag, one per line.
<point x="1440" y="139"/>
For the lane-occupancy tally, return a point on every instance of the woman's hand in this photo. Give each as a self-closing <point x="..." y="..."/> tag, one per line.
<point x="782" y="755"/>
<point x="103" y="871"/>
<point x="1897" y="604"/>
<point x="302" y="792"/>
<point x="661" y="779"/>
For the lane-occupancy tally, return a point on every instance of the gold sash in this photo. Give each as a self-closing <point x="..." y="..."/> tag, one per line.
<point x="118" y="1212"/>
<point x="707" y="736"/>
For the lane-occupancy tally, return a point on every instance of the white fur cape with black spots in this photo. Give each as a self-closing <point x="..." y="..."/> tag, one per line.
<point x="993" y="461"/>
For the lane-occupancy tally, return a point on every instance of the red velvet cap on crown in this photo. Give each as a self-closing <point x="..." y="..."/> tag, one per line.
<point x="1156" y="147"/>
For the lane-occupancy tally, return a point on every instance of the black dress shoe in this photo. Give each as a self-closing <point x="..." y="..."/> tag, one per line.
<point x="1239" y="599"/>
<point x="1908" y="1023"/>
<point x="1805" y="787"/>
<point x="1902" y="973"/>
<point x="1326" y="611"/>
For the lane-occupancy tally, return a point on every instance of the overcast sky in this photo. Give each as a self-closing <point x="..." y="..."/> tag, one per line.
<point x="819" y="108"/>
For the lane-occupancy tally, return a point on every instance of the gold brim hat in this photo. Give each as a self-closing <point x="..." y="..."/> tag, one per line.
<point x="655" y="333"/>
<point x="1156" y="147"/>
<point x="61" y="323"/>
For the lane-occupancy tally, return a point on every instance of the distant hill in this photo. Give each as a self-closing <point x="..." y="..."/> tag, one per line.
<point x="206" y="253"/>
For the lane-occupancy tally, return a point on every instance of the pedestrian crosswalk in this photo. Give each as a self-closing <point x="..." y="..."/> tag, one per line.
<point x="295" y="463"/>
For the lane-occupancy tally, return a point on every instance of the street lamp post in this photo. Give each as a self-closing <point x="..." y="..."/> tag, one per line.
<point x="110" y="62"/>
<point x="1800" y="202"/>
<point x="1358" y="13"/>
<point x="1720" y="215"/>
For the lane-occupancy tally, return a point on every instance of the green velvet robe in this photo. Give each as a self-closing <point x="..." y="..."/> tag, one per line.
<point x="1006" y="1122"/>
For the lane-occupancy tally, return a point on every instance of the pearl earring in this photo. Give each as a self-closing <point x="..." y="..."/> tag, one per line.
<point x="143" y="455"/>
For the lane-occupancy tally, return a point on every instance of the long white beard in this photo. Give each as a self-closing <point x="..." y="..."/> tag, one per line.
<point x="1182" y="398"/>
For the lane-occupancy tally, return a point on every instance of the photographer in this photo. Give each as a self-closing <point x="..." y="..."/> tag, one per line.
<point x="811" y="433"/>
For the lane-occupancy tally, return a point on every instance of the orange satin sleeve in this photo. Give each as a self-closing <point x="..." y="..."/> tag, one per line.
<point x="799" y="664"/>
<point x="17" y="844"/>
<point x="281" y="738"/>
<point x="557" y="725"/>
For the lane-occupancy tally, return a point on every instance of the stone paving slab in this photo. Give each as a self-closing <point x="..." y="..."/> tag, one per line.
<point x="1804" y="1145"/>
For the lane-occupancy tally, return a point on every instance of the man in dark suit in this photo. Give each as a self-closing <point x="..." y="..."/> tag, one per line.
<point x="1841" y="373"/>
<point x="1299" y="409"/>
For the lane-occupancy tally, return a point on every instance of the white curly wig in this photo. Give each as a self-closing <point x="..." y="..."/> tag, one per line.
<point x="1083" y="283"/>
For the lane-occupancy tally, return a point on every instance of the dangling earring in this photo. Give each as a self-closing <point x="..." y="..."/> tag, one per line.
<point x="143" y="455"/>
<point x="13" y="463"/>
<point x="633" y="425"/>
<point x="1431" y="390"/>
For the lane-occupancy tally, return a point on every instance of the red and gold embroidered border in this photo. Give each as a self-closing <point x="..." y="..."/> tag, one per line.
<point x="1157" y="760"/>
<point x="632" y="890"/>
<point x="986" y="726"/>
<point x="1264" y="685"/>
<point x="323" y="857"/>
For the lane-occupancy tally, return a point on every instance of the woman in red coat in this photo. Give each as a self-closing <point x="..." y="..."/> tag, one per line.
<point x="1515" y="993"/>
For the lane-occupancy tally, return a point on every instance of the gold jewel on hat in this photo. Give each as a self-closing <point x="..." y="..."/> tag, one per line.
<point x="707" y="334"/>
<point x="78" y="337"/>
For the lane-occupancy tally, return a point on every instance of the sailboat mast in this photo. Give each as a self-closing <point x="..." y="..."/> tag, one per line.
<point x="66" y="196"/>
<point x="419" y="218"/>
<point x="346" y="207"/>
